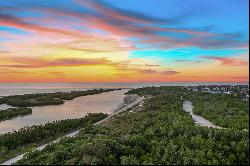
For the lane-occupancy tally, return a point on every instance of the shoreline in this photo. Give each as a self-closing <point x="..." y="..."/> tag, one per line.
<point x="137" y="100"/>
<point x="72" y="109"/>
<point x="122" y="108"/>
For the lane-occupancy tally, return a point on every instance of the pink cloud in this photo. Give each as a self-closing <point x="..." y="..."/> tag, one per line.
<point x="147" y="71"/>
<point x="170" y="72"/>
<point x="15" y="22"/>
<point x="228" y="61"/>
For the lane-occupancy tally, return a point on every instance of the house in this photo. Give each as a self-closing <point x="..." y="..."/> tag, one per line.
<point x="205" y="89"/>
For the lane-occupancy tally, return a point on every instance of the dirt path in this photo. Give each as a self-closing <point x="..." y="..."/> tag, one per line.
<point x="187" y="106"/>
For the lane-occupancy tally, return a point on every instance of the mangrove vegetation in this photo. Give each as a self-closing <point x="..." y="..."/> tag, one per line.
<point x="40" y="99"/>
<point x="155" y="132"/>
<point x="16" y="142"/>
<point x="14" y="112"/>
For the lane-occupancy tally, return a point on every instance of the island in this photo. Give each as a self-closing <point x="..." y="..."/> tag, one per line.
<point x="14" y="112"/>
<point x="40" y="99"/>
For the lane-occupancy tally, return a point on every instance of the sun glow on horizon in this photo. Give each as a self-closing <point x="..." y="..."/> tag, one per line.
<point x="111" y="41"/>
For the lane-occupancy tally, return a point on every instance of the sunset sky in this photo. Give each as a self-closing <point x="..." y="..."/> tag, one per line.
<point x="124" y="40"/>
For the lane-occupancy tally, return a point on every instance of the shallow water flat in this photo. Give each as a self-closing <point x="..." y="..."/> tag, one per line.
<point x="106" y="102"/>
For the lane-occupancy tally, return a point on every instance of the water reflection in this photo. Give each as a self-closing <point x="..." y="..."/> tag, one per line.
<point x="4" y="107"/>
<point x="79" y="107"/>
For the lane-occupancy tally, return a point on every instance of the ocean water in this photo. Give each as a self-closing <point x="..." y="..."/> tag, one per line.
<point x="7" y="89"/>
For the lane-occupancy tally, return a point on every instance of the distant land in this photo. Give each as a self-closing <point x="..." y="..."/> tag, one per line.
<point x="22" y="88"/>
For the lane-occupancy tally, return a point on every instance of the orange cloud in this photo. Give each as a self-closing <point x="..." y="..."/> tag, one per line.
<point x="40" y="63"/>
<point x="228" y="61"/>
<point x="73" y="44"/>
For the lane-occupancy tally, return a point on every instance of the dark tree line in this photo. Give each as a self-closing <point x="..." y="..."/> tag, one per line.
<point x="14" y="112"/>
<point x="159" y="132"/>
<point x="223" y="110"/>
<point x="40" y="133"/>
<point x="39" y="99"/>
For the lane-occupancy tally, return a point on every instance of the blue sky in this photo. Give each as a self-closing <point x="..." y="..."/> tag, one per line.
<point x="131" y="40"/>
<point x="225" y="15"/>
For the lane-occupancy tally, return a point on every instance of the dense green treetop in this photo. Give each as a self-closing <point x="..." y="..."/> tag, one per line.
<point x="12" y="142"/>
<point x="14" y="112"/>
<point x="28" y="100"/>
<point x="159" y="132"/>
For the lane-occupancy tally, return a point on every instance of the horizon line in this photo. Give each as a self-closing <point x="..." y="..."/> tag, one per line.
<point x="135" y="82"/>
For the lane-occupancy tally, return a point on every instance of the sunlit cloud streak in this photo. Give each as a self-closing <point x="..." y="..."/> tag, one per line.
<point x="147" y="30"/>
<point x="39" y="63"/>
<point x="188" y="61"/>
<point x="170" y="72"/>
<point x="228" y="61"/>
<point x="87" y="34"/>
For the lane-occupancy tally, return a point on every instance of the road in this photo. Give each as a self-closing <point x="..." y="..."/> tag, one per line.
<point x="136" y="99"/>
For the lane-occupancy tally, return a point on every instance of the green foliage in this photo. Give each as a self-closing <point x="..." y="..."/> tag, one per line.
<point x="14" y="112"/>
<point x="156" y="90"/>
<point x="222" y="110"/>
<point x="39" y="134"/>
<point x="160" y="133"/>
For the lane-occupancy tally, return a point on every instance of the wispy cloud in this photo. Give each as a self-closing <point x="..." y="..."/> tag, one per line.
<point x="228" y="61"/>
<point x="41" y="63"/>
<point x="166" y="72"/>
<point x="188" y="61"/>
<point x="90" y="33"/>
<point x="147" y="71"/>
<point x="123" y="23"/>
<point x="170" y="72"/>
<point x="12" y="21"/>
<point x="151" y="65"/>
